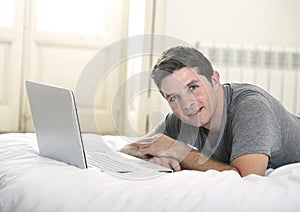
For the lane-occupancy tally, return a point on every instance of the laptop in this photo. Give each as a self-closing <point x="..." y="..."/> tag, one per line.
<point x="57" y="129"/>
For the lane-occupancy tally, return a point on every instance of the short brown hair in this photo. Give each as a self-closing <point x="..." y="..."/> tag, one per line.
<point x="178" y="57"/>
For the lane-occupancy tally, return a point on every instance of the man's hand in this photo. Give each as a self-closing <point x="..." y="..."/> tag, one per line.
<point x="157" y="145"/>
<point x="134" y="150"/>
<point x="166" y="162"/>
<point x="163" y="146"/>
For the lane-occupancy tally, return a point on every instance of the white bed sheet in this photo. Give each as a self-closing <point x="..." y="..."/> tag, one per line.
<point x="29" y="182"/>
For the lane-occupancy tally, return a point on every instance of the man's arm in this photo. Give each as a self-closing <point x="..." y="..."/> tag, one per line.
<point x="161" y="145"/>
<point x="133" y="149"/>
<point x="244" y="165"/>
<point x="189" y="158"/>
<point x="197" y="161"/>
<point x="251" y="164"/>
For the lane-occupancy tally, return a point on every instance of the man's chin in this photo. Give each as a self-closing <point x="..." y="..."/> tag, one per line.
<point x="194" y="123"/>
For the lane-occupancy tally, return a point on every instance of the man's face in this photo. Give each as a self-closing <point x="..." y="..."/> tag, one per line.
<point x="192" y="98"/>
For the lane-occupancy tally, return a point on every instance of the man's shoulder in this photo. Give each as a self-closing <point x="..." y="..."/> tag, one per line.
<point x="251" y="104"/>
<point x="241" y="93"/>
<point x="245" y="89"/>
<point x="172" y="118"/>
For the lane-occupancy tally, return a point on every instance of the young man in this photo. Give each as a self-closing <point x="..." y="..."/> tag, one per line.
<point x="223" y="127"/>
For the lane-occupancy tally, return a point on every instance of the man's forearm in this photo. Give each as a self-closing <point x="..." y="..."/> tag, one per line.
<point x="197" y="161"/>
<point x="192" y="159"/>
<point x="189" y="158"/>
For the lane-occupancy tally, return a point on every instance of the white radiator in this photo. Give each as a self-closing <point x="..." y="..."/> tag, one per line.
<point x="276" y="70"/>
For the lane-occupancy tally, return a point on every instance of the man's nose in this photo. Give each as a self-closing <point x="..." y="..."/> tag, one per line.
<point x="187" y="101"/>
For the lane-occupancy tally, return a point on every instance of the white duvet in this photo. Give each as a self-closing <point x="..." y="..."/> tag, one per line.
<point x="32" y="183"/>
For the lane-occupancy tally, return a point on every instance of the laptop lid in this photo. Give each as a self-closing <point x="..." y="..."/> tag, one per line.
<point x="56" y="123"/>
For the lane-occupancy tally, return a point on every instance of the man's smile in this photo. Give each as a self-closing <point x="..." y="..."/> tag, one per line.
<point x="195" y="113"/>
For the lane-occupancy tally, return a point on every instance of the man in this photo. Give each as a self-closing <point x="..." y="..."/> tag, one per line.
<point x="236" y="127"/>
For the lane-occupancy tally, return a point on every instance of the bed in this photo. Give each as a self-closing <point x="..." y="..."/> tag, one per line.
<point x="29" y="182"/>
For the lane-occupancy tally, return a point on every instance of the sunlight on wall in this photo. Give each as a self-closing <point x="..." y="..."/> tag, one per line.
<point x="136" y="26"/>
<point x="72" y="16"/>
<point x="136" y="17"/>
<point x="6" y="13"/>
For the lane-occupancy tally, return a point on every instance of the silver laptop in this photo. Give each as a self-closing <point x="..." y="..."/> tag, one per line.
<point x="58" y="134"/>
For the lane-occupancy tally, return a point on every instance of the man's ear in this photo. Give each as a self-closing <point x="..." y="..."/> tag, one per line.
<point x="215" y="79"/>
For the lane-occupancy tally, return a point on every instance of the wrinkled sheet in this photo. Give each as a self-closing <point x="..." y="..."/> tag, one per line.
<point x="29" y="182"/>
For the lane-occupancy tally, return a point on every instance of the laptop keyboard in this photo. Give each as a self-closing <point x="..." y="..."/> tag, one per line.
<point x="106" y="163"/>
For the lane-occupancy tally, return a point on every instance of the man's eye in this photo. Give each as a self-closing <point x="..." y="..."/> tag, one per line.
<point x="193" y="87"/>
<point x="173" y="98"/>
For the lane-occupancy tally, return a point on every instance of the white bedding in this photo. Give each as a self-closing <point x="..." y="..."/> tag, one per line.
<point x="29" y="182"/>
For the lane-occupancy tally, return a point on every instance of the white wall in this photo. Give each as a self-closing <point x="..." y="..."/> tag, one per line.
<point x="253" y="27"/>
<point x="260" y="22"/>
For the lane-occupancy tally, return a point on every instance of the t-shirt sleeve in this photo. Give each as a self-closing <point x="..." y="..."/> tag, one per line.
<point x="174" y="128"/>
<point x="169" y="126"/>
<point x="255" y="128"/>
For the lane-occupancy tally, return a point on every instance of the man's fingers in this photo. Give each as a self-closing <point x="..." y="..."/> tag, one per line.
<point x="144" y="149"/>
<point x="148" y="139"/>
<point x="145" y="145"/>
<point x="166" y="162"/>
<point x="175" y="165"/>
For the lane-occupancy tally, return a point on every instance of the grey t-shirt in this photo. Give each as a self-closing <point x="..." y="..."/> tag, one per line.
<point x="253" y="122"/>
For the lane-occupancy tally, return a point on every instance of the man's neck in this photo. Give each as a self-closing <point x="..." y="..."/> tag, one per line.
<point x="217" y="116"/>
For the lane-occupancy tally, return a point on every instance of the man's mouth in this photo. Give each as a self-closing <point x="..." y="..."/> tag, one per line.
<point x="195" y="112"/>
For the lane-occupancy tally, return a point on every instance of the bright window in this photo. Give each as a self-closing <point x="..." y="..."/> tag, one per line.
<point x="72" y="16"/>
<point x="6" y="13"/>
